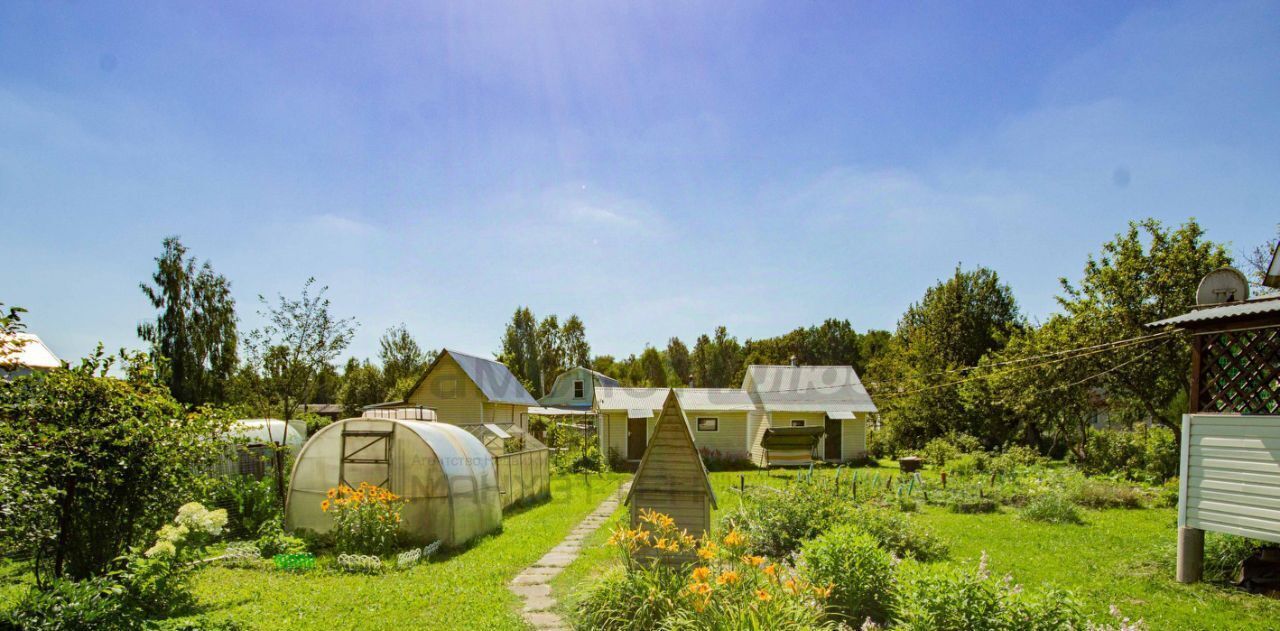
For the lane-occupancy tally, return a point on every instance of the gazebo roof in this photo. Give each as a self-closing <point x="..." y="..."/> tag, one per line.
<point x="1260" y="306"/>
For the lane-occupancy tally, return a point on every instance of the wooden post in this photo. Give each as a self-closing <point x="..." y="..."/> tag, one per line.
<point x="1190" y="554"/>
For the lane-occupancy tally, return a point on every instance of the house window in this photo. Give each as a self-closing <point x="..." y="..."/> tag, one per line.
<point x="797" y="422"/>
<point x="706" y="424"/>
<point x="579" y="389"/>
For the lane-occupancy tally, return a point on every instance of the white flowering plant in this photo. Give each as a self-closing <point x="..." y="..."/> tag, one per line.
<point x="157" y="577"/>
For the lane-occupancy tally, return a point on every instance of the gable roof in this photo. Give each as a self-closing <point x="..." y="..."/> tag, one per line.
<point x="617" y="398"/>
<point x="671" y="400"/>
<point x="807" y="389"/>
<point x="494" y="379"/>
<point x="30" y="352"/>
<point x="728" y="399"/>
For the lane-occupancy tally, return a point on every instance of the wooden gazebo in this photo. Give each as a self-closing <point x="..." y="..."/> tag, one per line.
<point x="1230" y="462"/>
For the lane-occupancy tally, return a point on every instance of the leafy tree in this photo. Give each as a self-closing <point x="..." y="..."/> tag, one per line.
<point x="573" y="340"/>
<point x="402" y="360"/>
<point x="955" y="324"/>
<point x="678" y="357"/>
<point x="195" y="331"/>
<point x="363" y="383"/>
<point x="93" y="464"/>
<point x="10" y="326"/>
<point x="1258" y="260"/>
<point x="606" y="364"/>
<point x="551" y="354"/>
<point x="1148" y="273"/>
<point x="726" y="367"/>
<point x="301" y="338"/>
<point x="655" y="374"/>
<point x="700" y="362"/>
<point x="520" y="349"/>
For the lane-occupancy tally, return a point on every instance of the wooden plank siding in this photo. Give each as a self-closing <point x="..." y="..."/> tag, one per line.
<point x="1231" y="475"/>
<point x="671" y="479"/>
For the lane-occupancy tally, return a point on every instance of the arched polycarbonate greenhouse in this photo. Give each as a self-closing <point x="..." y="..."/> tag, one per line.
<point x="445" y="474"/>
<point x="253" y="442"/>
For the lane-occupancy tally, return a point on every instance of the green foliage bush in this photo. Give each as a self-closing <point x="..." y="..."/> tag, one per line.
<point x="939" y="451"/>
<point x="777" y="521"/>
<point x="859" y="570"/>
<point x="95" y="603"/>
<point x="627" y="600"/>
<point x="1098" y="494"/>
<point x="716" y="460"/>
<point x="1147" y="454"/>
<point x="272" y="540"/>
<point x="897" y="533"/>
<point x="1223" y="553"/>
<point x="250" y="502"/>
<point x="961" y="599"/>
<point x="96" y="462"/>
<point x="1053" y="507"/>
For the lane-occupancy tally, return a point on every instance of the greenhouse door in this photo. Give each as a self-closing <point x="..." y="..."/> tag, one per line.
<point x="366" y="457"/>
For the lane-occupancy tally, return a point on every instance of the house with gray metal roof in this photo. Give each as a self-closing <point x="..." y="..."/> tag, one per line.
<point x="732" y="422"/>
<point x="469" y="390"/>
<point x="573" y="392"/>
<point x="830" y="397"/>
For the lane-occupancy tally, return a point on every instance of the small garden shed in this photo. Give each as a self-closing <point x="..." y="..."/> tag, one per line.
<point x="671" y="478"/>
<point x="446" y="475"/>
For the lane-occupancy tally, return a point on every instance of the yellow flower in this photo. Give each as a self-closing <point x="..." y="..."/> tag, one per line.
<point x="792" y="586"/>
<point x="772" y="571"/>
<point x="701" y="574"/>
<point x="734" y="539"/>
<point x="324" y="506"/>
<point x="753" y="561"/>
<point x="333" y="493"/>
<point x="763" y="595"/>
<point x="708" y="550"/>
<point x="699" y="588"/>
<point x="728" y="577"/>
<point x="823" y="592"/>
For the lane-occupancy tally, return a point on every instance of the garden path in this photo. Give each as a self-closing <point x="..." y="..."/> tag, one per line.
<point x="533" y="585"/>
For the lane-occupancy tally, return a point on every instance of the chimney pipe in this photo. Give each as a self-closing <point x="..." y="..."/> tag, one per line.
<point x="794" y="361"/>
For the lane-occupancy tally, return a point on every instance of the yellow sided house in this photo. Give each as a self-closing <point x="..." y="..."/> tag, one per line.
<point x="828" y="397"/>
<point x="828" y="401"/>
<point x="468" y="390"/>
<point x="671" y="478"/>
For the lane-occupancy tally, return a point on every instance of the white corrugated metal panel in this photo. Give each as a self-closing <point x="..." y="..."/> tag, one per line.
<point x="1231" y="473"/>
<point x="809" y="389"/>
<point x="714" y="399"/>
<point x="28" y="350"/>
<point x="630" y="398"/>
<point x="1265" y="304"/>
<point x="559" y="411"/>
<point x="840" y="414"/>
<point x="639" y="413"/>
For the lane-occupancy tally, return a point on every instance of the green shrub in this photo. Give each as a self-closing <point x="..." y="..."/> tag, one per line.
<point x="1094" y="493"/>
<point x="897" y="533"/>
<point x="96" y="462"/>
<point x="1148" y="454"/>
<point x="777" y="521"/>
<point x="960" y="599"/>
<point x="1167" y="495"/>
<point x="939" y="451"/>
<point x="250" y="502"/>
<point x="631" y="600"/>
<point x="272" y="540"/>
<point x="971" y="504"/>
<point x="96" y="603"/>
<point x="859" y="570"/>
<point x="1013" y="458"/>
<point x="1223" y="553"/>
<point x="1052" y="507"/>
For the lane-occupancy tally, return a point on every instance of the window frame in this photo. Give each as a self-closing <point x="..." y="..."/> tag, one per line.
<point x="697" y="424"/>
<point x="579" y="389"/>
<point x="802" y="422"/>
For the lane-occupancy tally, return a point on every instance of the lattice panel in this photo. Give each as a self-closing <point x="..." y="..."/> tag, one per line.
<point x="1240" y="372"/>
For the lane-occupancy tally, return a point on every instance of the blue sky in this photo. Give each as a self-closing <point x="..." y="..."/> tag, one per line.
<point x="657" y="168"/>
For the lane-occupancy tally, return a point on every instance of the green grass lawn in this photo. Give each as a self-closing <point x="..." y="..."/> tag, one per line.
<point x="466" y="590"/>
<point x="1117" y="557"/>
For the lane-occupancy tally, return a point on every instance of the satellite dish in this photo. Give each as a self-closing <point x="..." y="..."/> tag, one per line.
<point x="1272" y="278"/>
<point x="1224" y="284"/>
